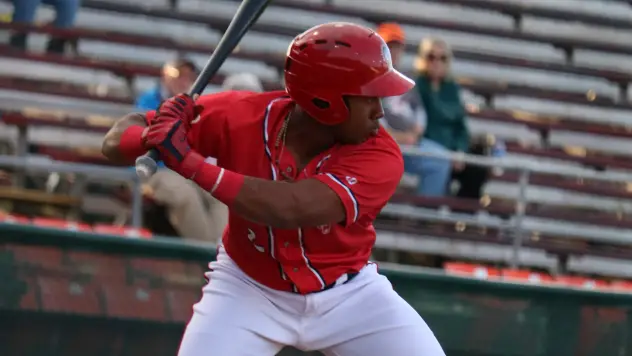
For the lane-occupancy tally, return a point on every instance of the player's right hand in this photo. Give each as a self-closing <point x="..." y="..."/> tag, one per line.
<point x="169" y="137"/>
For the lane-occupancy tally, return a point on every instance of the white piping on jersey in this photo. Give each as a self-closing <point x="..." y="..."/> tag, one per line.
<point x="266" y="118"/>
<point x="266" y="139"/>
<point x="323" y="160"/>
<point x="349" y="192"/>
<point x="307" y="263"/>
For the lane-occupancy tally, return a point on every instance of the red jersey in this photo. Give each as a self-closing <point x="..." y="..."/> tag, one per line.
<point x="239" y="129"/>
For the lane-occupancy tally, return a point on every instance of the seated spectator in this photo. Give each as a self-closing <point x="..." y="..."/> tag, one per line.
<point x="177" y="77"/>
<point x="192" y="212"/>
<point x="185" y="205"/>
<point x="473" y="177"/>
<point x="446" y="129"/>
<point x="24" y="13"/>
<point x="403" y="115"/>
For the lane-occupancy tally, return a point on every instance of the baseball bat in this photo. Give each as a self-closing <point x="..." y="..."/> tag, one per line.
<point x="247" y="14"/>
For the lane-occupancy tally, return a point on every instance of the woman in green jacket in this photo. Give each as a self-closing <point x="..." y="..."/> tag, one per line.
<point x="445" y="129"/>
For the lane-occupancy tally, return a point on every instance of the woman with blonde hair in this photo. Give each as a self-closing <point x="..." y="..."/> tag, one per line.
<point x="445" y="130"/>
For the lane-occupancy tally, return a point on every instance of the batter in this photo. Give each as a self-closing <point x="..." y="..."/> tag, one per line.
<point x="304" y="173"/>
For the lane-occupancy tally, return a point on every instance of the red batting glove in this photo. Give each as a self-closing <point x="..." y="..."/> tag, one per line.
<point x="169" y="137"/>
<point x="180" y="107"/>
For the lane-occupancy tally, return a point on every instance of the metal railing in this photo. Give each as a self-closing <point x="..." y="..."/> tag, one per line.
<point x="525" y="167"/>
<point x="33" y="164"/>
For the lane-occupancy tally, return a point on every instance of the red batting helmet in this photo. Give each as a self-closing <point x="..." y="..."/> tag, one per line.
<point x="332" y="60"/>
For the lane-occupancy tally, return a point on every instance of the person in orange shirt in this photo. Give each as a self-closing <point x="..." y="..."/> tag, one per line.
<point x="404" y="116"/>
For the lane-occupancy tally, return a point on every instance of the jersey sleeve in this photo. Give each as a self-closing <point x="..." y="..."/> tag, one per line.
<point x="208" y="131"/>
<point x="364" y="177"/>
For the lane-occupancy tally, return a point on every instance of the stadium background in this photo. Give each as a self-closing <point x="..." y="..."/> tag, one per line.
<point x="538" y="266"/>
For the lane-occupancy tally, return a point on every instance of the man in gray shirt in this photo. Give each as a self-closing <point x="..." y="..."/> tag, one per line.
<point x="404" y="116"/>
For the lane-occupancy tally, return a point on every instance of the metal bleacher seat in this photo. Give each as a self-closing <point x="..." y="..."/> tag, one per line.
<point x="596" y="84"/>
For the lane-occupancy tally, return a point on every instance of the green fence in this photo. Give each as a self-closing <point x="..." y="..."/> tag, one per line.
<point x="470" y="317"/>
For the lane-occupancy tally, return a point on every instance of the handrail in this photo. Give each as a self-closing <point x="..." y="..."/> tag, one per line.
<point x="43" y="164"/>
<point x="531" y="165"/>
<point x="524" y="166"/>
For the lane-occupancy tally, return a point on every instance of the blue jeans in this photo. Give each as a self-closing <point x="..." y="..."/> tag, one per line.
<point x="434" y="173"/>
<point x="24" y="11"/>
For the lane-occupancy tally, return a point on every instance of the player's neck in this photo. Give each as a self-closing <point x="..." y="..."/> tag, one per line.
<point x="306" y="137"/>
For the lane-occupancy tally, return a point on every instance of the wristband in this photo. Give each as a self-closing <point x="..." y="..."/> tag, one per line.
<point x="131" y="144"/>
<point x="223" y="184"/>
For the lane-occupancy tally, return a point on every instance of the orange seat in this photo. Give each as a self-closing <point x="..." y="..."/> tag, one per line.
<point x="621" y="286"/>
<point x="61" y="224"/>
<point x="66" y="295"/>
<point x="580" y="282"/>
<point x="122" y="231"/>
<point x="13" y="218"/>
<point x="525" y="276"/>
<point x="471" y="270"/>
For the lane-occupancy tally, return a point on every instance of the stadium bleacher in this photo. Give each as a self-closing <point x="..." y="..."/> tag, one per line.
<point x="549" y="78"/>
<point x="526" y="89"/>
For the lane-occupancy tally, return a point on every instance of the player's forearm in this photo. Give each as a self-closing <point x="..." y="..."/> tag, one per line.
<point x="278" y="204"/>
<point x="111" y="147"/>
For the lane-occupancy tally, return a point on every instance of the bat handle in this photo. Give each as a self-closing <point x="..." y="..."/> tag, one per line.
<point x="146" y="164"/>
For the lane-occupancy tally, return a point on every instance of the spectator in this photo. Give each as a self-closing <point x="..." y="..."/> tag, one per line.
<point x="403" y="115"/>
<point x="446" y="129"/>
<point x="472" y="177"/>
<point x="193" y="213"/>
<point x="185" y="205"/>
<point x="242" y="81"/>
<point x="177" y="77"/>
<point x="24" y="13"/>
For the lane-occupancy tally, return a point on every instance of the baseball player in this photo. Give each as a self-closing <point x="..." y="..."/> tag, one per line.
<point x="304" y="173"/>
